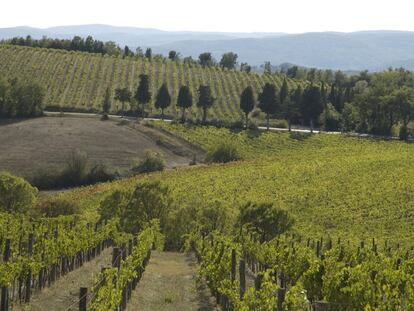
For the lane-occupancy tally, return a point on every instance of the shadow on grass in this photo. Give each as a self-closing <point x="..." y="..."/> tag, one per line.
<point x="9" y="121"/>
<point x="205" y="301"/>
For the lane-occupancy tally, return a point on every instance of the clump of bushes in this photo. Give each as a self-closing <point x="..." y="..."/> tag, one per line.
<point x="223" y="153"/>
<point x="152" y="162"/>
<point x="252" y="126"/>
<point x="16" y="194"/>
<point x="265" y="219"/>
<point x="21" y="98"/>
<point x="135" y="209"/>
<point x="77" y="172"/>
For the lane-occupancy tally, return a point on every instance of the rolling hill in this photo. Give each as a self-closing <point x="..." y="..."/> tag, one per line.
<point x="78" y="80"/>
<point x="39" y="145"/>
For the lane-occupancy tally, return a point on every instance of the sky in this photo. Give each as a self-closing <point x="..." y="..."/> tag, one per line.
<point x="291" y="16"/>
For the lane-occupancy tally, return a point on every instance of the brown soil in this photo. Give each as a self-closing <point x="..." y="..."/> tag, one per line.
<point x="33" y="145"/>
<point x="169" y="283"/>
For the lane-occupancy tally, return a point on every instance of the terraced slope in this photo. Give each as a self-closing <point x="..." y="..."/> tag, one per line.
<point x="79" y="80"/>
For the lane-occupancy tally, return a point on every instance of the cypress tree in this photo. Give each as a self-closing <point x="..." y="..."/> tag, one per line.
<point x="268" y="101"/>
<point x="143" y="94"/>
<point x="163" y="99"/>
<point x="205" y="100"/>
<point x="247" y="102"/>
<point x="184" y="99"/>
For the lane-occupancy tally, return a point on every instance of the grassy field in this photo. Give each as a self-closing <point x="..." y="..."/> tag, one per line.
<point x="79" y="80"/>
<point x="333" y="185"/>
<point x="41" y="144"/>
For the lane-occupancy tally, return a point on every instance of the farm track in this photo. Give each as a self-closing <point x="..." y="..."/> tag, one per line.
<point x="169" y="283"/>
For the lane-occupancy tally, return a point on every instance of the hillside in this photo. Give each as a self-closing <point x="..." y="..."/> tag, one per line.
<point x="333" y="185"/>
<point x="79" y="80"/>
<point x="45" y="144"/>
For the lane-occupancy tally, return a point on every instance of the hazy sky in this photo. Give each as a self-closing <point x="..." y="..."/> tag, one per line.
<point x="215" y="15"/>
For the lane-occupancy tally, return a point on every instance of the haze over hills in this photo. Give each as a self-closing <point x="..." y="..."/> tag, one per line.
<point x="372" y="50"/>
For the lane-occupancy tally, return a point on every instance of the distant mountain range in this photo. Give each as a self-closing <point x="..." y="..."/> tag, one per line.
<point x="372" y="50"/>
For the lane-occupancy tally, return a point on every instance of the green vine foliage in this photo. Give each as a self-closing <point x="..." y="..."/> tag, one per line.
<point x="346" y="278"/>
<point x="107" y="291"/>
<point x="53" y="239"/>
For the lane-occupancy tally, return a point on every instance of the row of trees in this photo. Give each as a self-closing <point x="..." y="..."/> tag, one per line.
<point x="91" y="45"/>
<point x="374" y="107"/>
<point x="143" y="96"/>
<point x="306" y="104"/>
<point x="20" y="98"/>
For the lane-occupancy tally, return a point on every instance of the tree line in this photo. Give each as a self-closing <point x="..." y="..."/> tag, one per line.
<point x="20" y="98"/>
<point x="143" y="96"/>
<point x="370" y="103"/>
<point x="91" y="45"/>
<point x="375" y="106"/>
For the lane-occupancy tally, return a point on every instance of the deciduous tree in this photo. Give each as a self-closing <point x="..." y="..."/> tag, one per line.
<point x="124" y="96"/>
<point x="229" y="60"/>
<point x="16" y="194"/>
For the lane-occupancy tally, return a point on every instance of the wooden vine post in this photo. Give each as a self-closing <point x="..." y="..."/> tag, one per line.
<point x="4" y="290"/>
<point x="29" y="274"/>
<point x="233" y="265"/>
<point x="242" y="275"/>
<point x="83" y="295"/>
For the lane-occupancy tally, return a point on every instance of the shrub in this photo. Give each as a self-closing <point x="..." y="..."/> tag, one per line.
<point x="113" y="205"/>
<point x="45" y="179"/>
<point x="75" y="170"/>
<point x="152" y="162"/>
<point x="223" y="153"/>
<point x="252" y="126"/>
<point x="150" y="200"/>
<point x="98" y="173"/>
<point x="330" y="118"/>
<point x="57" y="207"/>
<point x="255" y="113"/>
<point x="279" y="124"/>
<point x="237" y="125"/>
<point x="76" y="173"/>
<point x="105" y="117"/>
<point x="16" y="194"/>
<point x="265" y="219"/>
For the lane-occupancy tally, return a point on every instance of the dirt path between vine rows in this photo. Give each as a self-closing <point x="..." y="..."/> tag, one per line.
<point x="169" y="283"/>
<point x="63" y="295"/>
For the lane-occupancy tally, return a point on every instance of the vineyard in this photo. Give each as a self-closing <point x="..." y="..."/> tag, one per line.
<point x="350" y="247"/>
<point x="294" y="274"/>
<point x="78" y="80"/>
<point x="36" y="253"/>
<point x="333" y="185"/>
